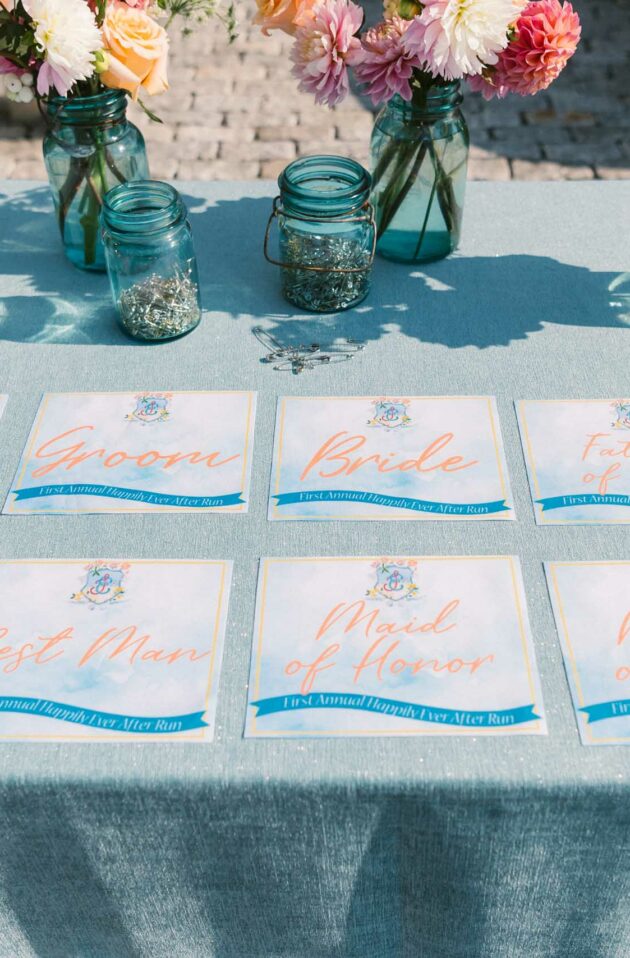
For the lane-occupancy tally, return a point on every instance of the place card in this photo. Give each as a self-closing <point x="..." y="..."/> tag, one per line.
<point x="578" y="459"/>
<point x="111" y="650"/>
<point x="591" y="604"/>
<point x="350" y="457"/>
<point x="137" y="452"/>
<point x="392" y="646"/>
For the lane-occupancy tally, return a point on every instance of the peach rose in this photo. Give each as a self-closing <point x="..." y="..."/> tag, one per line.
<point x="277" y="15"/>
<point x="136" y="50"/>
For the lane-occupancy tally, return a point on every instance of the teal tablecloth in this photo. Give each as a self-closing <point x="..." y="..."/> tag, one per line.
<point x="418" y="848"/>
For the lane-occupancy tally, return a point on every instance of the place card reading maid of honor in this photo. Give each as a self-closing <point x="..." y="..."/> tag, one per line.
<point x="392" y="646"/>
<point x="351" y="457"/>
<point x="591" y="604"/>
<point x="578" y="459"/>
<point x="101" y="651"/>
<point x="137" y="452"/>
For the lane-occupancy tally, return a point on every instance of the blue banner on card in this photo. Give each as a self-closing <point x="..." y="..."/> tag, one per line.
<point x="410" y="710"/>
<point x="618" y="708"/>
<point x="105" y="721"/>
<point x="132" y="495"/>
<point x="583" y="499"/>
<point x="393" y="502"/>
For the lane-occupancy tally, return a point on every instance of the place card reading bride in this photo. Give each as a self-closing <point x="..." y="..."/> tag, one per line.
<point x="591" y="604"/>
<point x="137" y="452"/>
<point x="393" y="646"/>
<point x="110" y="649"/>
<point x="351" y="457"/>
<point x="578" y="459"/>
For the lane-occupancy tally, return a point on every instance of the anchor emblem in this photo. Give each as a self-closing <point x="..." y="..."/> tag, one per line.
<point x="394" y="581"/>
<point x="390" y="413"/>
<point x="103" y="583"/>
<point x="150" y="408"/>
<point x="622" y="411"/>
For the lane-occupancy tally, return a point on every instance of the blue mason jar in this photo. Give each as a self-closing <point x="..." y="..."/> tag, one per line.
<point x="326" y="233"/>
<point x="90" y="147"/>
<point x="151" y="260"/>
<point x="419" y="164"/>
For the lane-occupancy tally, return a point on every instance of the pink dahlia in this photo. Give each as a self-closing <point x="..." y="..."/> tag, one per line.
<point x="325" y="46"/>
<point x="489" y="84"/>
<point x="546" y="36"/>
<point x="386" y="66"/>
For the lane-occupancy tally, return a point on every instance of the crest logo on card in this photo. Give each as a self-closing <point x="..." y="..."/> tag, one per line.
<point x="390" y="413"/>
<point x="151" y="407"/>
<point x="394" y="581"/>
<point x="103" y="583"/>
<point x="621" y="408"/>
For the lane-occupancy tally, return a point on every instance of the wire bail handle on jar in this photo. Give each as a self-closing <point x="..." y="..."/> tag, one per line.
<point x="363" y="217"/>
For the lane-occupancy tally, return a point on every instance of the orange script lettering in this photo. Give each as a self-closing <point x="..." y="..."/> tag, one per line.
<point x="77" y="452"/>
<point x="340" y="448"/>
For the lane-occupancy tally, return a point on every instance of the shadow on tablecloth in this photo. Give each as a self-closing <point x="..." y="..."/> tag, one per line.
<point x="463" y="301"/>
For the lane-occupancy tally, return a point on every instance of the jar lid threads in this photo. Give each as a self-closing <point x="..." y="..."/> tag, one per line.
<point x="142" y="206"/>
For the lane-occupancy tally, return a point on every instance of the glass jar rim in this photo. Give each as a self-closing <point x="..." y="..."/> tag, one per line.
<point x="142" y="206"/>
<point x="346" y="185"/>
<point x="439" y="98"/>
<point x="103" y="107"/>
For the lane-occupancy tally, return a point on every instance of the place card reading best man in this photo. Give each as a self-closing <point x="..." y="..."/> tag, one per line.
<point x="137" y="452"/>
<point x="352" y="457"/>
<point x="111" y="649"/>
<point x="591" y="604"/>
<point x="392" y="646"/>
<point x="578" y="459"/>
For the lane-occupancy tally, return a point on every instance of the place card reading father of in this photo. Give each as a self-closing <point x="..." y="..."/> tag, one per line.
<point x="418" y="457"/>
<point x="100" y="650"/>
<point x="578" y="459"/>
<point x="137" y="452"/>
<point x="591" y="604"/>
<point x="392" y="646"/>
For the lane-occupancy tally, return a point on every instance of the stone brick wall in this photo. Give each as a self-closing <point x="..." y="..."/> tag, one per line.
<point x="234" y="112"/>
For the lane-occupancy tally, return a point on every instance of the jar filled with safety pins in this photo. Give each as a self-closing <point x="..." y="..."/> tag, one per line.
<point x="151" y="260"/>
<point x="327" y="234"/>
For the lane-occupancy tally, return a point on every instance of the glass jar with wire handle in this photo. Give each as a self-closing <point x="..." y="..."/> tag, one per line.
<point x="327" y="234"/>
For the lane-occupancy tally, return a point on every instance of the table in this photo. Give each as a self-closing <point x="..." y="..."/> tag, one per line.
<point x="436" y="847"/>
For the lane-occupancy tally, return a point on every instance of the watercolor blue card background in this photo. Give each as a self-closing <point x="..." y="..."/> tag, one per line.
<point x="99" y="651"/>
<point x="353" y="457"/>
<point x="578" y="459"/>
<point x="137" y="452"/>
<point x="392" y="646"/>
<point x="591" y="603"/>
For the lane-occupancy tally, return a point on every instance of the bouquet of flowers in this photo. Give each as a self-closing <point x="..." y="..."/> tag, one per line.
<point x="418" y="50"/>
<point x="80" y="59"/>
<point x="81" y="47"/>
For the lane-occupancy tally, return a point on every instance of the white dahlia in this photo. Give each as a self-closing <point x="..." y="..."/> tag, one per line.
<point x="457" y="38"/>
<point x="68" y="37"/>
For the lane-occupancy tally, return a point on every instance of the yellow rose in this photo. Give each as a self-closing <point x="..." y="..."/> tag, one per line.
<point x="136" y="49"/>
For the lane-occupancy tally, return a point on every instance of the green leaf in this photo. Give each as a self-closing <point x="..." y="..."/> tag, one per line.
<point x="149" y="113"/>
